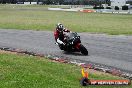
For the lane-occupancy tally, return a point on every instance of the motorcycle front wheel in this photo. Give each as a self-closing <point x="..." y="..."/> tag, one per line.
<point x="83" y="50"/>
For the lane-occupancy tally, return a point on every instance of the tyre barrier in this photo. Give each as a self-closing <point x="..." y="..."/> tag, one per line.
<point x="89" y="65"/>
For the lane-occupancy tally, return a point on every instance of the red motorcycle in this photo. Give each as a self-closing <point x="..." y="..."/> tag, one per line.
<point x="73" y="44"/>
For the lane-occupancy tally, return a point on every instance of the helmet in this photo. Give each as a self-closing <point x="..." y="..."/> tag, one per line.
<point x="59" y="27"/>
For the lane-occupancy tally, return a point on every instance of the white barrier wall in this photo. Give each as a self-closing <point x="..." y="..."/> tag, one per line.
<point x="33" y="2"/>
<point x="27" y="3"/>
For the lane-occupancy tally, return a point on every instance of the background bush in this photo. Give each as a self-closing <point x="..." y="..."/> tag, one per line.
<point x="95" y="7"/>
<point x="116" y="8"/>
<point x="108" y="7"/>
<point x="124" y="7"/>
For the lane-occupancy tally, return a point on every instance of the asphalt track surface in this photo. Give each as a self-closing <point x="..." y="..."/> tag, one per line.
<point x="110" y="50"/>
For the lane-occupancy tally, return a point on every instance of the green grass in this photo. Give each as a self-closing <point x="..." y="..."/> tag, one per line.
<point x="18" y="71"/>
<point x="37" y="17"/>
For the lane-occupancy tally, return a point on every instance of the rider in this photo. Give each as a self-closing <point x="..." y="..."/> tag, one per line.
<point x="59" y="35"/>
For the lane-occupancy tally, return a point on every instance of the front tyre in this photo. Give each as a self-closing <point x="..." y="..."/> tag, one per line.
<point x="83" y="50"/>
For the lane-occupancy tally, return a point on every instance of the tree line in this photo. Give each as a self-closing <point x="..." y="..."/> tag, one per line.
<point x="60" y="2"/>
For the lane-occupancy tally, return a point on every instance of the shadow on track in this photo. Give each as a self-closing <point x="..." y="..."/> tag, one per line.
<point x="74" y="53"/>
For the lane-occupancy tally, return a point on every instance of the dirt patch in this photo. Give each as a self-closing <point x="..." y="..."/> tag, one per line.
<point x="7" y="52"/>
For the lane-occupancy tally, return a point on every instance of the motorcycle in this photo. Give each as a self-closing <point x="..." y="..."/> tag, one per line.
<point x="73" y="43"/>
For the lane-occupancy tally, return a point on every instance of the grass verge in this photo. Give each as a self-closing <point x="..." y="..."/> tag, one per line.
<point x="19" y="71"/>
<point x="37" y="17"/>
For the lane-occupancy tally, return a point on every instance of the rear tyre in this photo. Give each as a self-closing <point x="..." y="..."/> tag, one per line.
<point x="83" y="50"/>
